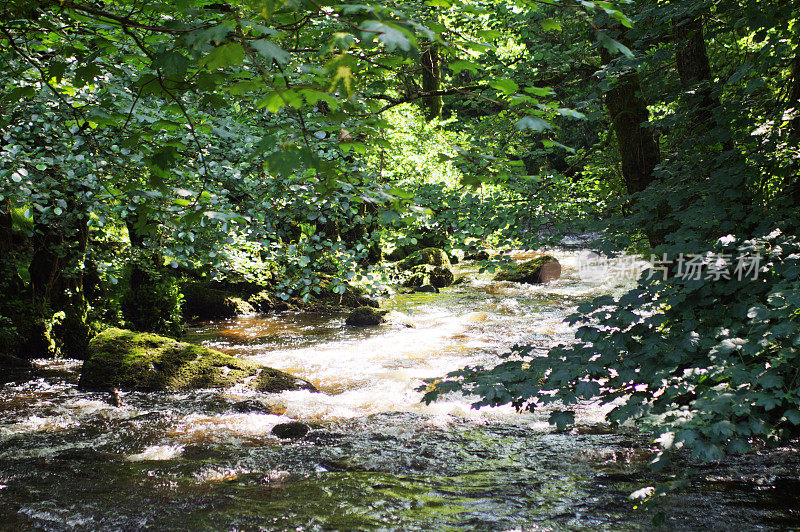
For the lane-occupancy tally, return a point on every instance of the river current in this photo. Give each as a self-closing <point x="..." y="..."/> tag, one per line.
<point x="375" y="457"/>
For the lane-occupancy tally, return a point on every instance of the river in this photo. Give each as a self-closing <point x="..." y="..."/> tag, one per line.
<point x="375" y="458"/>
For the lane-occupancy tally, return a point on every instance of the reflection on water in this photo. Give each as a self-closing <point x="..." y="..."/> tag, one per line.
<point x="374" y="458"/>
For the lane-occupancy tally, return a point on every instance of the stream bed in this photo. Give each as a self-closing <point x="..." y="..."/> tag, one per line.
<point x="375" y="458"/>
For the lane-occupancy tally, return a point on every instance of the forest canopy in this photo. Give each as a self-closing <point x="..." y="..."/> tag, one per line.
<point x="148" y="146"/>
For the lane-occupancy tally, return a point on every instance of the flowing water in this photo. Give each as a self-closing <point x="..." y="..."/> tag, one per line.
<point x="375" y="458"/>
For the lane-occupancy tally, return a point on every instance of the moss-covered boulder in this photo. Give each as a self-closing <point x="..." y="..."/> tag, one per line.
<point x="542" y="269"/>
<point x="426" y="274"/>
<point x="128" y="360"/>
<point x="366" y="316"/>
<point x="201" y="300"/>
<point x="432" y="256"/>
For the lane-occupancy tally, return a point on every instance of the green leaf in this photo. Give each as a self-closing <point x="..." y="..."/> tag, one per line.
<point x="562" y="418"/>
<point x="793" y="416"/>
<point x="506" y="86"/>
<point x="171" y="62"/>
<point x="224" y="56"/>
<point x="532" y="122"/>
<point x="271" y="51"/>
<point x="392" y="36"/>
<point x="613" y="45"/>
<point x="551" y="24"/>
<point x="458" y="66"/>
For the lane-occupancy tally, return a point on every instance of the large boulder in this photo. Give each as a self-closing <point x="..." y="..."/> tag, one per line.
<point x="366" y="316"/>
<point x="432" y="256"/>
<point x="542" y="269"/>
<point x="128" y="360"/>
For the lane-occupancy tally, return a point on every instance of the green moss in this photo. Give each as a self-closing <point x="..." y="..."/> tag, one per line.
<point x="264" y="301"/>
<point x="273" y="381"/>
<point x="130" y="360"/>
<point x="432" y="256"/>
<point x="526" y="272"/>
<point x="426" y="274"/>
<point x="441" y="277"/>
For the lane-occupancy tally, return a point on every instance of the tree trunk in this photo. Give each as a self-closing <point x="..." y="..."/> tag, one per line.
<point x="694" y="70"/>
<point x="792" y="188"/>
<point x="431" y="78"/>
<point x="6" y="227"/>
<point x="629" y="116"/>
<point x="638" y="147"/>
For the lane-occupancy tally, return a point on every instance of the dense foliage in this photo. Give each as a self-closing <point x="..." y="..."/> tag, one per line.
<point x="295" y="145"/>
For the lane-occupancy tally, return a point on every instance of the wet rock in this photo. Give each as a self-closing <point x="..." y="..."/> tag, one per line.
<point x="426" y="274"/>
<point x="204" y="452"/>
<point x="292" y="430"/>
<point x="478" y="255"/>
<point x="251" y="406"/>
<point x="366" y="316"/>
<point x="540" y="270"/>
<point x="426" y="289"/>
<point x="129" y="360"/>
<point x="441" y="277"/>
<point x="432" y="256"/>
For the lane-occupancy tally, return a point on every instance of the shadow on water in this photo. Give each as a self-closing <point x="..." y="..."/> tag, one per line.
<point x="374" y="457"/>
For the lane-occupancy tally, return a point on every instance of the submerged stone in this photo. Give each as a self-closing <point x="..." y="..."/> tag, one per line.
<point x="426" y="289"/>
<point x="291" y="430"/>
<point x="128" y="360"/>
<point x="540" y="270"/>
<point x="366" y="316"/>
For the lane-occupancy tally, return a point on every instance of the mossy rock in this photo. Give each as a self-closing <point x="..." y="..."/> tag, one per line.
<point x="426" y="274"/>
<point x="542" y="269"/>
<point x="128" y="360"/>
<point x="200" y="300"/>
<point x="441" y="277"/>
<point x="432" y="256"/>
<point x="366" y="316"/>
<point x="481" y="254"/>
